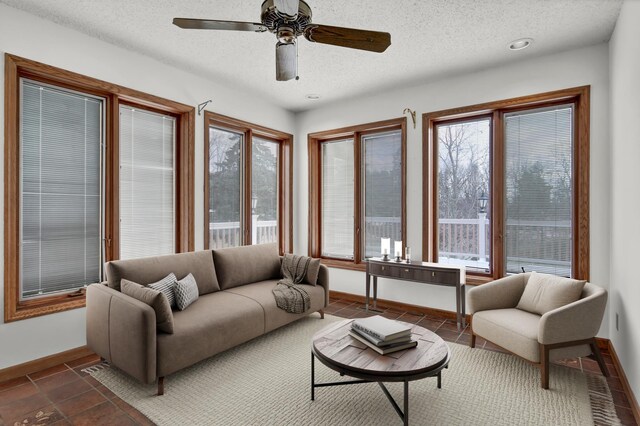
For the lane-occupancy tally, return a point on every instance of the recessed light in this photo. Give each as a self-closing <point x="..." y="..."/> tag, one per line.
<point x="520" y="44"/>
<point x="313" y="96"/>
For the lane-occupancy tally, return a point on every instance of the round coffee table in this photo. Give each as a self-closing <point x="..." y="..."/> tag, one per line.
<point x="336" y="349"/>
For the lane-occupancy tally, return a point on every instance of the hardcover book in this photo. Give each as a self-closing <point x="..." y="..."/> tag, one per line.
<point x="386" y="349"/>
<point x="381" y="328"/>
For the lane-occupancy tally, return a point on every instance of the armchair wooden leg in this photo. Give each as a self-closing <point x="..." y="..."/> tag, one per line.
<point x="596" y="353"/>
<point x="544" y="366"/>
<point x="160" y="386"/>
<point x="321" y="312"/>
<point x="473" y="340"/>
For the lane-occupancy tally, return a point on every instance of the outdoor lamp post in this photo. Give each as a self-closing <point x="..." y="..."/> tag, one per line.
<point x="482" y="202"/>
<point x="254" y="220"/>
<point x="482" y="222"/>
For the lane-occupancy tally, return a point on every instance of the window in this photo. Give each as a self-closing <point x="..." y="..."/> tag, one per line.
<point x="506" y="187"/>
<point x="249" y="184"/>
<point x="93" y="172"/>
<point x="357" y="191"/>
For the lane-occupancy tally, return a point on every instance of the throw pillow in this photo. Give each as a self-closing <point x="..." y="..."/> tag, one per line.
<point x="545" y="292"/>
<point x="313" y="270"/>
<point x="154" y="298"/>
<point x="186" y="291"/>
<point x="165" y="286"/>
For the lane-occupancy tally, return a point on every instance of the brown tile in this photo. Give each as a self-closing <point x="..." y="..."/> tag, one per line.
<point x="106" y="392"/>
<point x="133" y="413"/>
<point x="590" y="366"/>
<point x="391" y="315"/>
<point x="41" y="416"/>
<point x="89" y="359"/>
<point x="103" y="414"/>
<point x="48" y="372"/>
<point x="80" y="403"/>
<point x="464" y="339"/>
<point x="411" y="318"/>
<point x="447" y="335"/>
<point x="626" y="416"/>
<point x="451" y="326"/>
<point x="480" y="342"/>
<point x="20" y="407"/>
<point x="620" y="398"/>
<point x="430" y="324"/>
<point x="348" y="313"/>
<point x="92" y="381"/>
<point x="16" y="393"/>
<point x="68" y="390"/>
<point x="63" y="422"/>
<point x="615" y="384"/>
<point x="341" y="304"/>
<point x="56" y="380"/>
<point x="7" y="384"/>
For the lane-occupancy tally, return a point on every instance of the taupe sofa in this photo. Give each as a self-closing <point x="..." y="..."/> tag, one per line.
<point x="235" y="305"/>
<point x="565" y="332"/>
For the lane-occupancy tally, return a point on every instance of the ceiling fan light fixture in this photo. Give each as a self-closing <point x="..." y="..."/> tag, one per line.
<point x="312" y="96"/>
<point x="521" y="43"/>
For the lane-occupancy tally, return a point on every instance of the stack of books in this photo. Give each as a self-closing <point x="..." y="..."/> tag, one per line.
<point x="383" y="335"/>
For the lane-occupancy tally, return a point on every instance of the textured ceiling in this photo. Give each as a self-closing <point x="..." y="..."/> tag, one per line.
<point x="429" y="39"/>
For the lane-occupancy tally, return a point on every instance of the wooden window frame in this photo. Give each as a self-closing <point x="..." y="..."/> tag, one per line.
<point x="285" y="176"/>
<point x="315" y="141"/>
<point x="113" y="94"/>
<point x="580" y="98"/>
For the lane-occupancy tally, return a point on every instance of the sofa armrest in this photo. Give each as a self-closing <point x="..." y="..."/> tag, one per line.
<point x="323" y="280"/>
<point x="499" y="294"/>
<point x="579" y="320"/>
<point x="122" y="330"/>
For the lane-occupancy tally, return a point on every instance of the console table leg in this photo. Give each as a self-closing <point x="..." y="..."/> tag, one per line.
<point x="367" y="289"/>
<point x="375" y="292"/>
<point x="313" y="378"/>
<point x="406" y="403"/>
<point x="458" y="307"/>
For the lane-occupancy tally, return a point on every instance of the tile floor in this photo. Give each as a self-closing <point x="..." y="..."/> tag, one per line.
<point x="64" y="395"/>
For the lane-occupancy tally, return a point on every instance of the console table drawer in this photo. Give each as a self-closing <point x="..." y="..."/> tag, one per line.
<point x="436" y="276"/>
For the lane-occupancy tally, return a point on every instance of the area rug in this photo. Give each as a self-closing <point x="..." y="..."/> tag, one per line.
<point x="267" y="382"/>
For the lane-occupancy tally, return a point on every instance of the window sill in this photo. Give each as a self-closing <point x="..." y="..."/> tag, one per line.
<point x="43" y="306"/>
<point x="344" y="264"/>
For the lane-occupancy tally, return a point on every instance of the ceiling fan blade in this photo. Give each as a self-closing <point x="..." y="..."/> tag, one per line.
<point x="373" y="41"/>
<point x="287" y="8"/>
<point x="286" y="61"/>
<point x="209" y="24"/>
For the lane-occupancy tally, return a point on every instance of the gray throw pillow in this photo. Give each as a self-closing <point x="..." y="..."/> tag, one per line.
<point x="313" y="270"/>
<point x="545" y="292"/>
<point x="186" y="291"/>
<point x="154" y="298"/>
<point x="165" y="286"/>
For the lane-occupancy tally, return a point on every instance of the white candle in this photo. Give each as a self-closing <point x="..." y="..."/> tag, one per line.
<point x="385" y="245"/>
<point x="398" y="248"/>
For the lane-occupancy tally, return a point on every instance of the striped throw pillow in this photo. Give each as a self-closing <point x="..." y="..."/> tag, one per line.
<point x="186" y="291"/>
<point x="165" y="286"/>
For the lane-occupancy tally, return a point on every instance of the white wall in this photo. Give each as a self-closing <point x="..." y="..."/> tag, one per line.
<point x="33" y="38"/>
<point x="586" y="66"/>
<point x="625" y="202"/>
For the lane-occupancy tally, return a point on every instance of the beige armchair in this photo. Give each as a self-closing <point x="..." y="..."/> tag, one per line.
<point x="565" y="332"/>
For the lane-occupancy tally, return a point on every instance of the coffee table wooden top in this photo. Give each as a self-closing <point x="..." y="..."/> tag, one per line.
<point x="335" y="348"/>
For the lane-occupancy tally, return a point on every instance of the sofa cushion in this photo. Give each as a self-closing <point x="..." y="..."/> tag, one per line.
<point x="154" y="298"/>
<point x="212" y="324"/>
<point x="545" y="292"/>
<point x="186" y="292"/>
<point x="151" y="269"/>
<point x="513" y="329"/>
<point x="165" y="286"/>
<point x="247" y="264"/>
<point x="275" y="317"/>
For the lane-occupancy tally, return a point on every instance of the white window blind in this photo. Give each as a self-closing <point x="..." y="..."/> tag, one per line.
<point x="382" y="181"/>
<point x="225" y="188"/>
<point x="264" y="189"/>
<point x="337" y="199"/>
<point x="61" y="135"/>
<point x="539" y="177"/>
<point x="147" y="183"/>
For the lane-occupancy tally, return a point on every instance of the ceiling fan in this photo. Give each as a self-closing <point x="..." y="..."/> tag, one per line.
<point x="288" y="19"/>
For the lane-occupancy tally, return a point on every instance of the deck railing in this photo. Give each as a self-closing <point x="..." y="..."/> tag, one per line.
<point x="228" y="234"/>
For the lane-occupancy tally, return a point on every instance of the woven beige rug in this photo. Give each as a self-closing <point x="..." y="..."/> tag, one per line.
<point x="267" y="382"/>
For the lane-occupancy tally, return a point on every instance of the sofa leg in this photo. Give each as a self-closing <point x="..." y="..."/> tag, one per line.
<point x="544" y="366"/>
<point x="473" y="340"/>
<point x="160" y="386"/>
<point x="321" y="312"/>
<point x="596" y="353"/>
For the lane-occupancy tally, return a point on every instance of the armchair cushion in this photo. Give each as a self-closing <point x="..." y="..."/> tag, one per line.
<point x="545" y="292"/>
<point x="512" y="329"/>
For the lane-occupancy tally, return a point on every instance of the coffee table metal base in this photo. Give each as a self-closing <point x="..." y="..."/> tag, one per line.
<point x="403" y="413"/>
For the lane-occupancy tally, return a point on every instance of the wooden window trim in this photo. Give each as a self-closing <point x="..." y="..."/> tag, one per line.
<point x="580" y="97"/>
<point x="17" y="68"/>
<point x="314" y="141"/>
<point x="285" y="176"/>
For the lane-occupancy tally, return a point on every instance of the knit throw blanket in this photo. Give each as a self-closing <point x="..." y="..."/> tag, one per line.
<point x="290" y="295"/>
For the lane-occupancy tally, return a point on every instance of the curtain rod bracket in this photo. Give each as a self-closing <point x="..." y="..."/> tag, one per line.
<point x="202" y="106"/>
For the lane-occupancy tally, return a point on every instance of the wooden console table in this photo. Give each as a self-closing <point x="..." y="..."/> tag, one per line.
<point x="422" y="272"/>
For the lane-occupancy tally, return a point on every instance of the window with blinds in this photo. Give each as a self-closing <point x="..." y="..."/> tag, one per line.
<point x="225" y="187"/>
<point x="264" y="191"/>
<point x="147" y="183"/>
<point x="382" y="183"/>
<point x="61" y="178"/>
<point x="538" y="173"/>
<point x="338" y="199"/>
